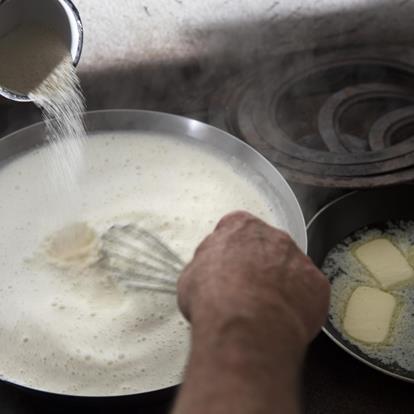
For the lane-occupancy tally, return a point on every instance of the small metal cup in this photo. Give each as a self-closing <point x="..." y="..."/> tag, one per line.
<point x="59" y="15"/>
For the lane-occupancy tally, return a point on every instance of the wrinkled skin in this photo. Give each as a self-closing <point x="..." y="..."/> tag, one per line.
<point x="255" y="301"/>
<point x="247" y="265"/>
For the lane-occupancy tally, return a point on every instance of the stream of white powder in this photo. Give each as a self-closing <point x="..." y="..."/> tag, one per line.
<point x="39" y="65"/>
<point x="62" y="103"/>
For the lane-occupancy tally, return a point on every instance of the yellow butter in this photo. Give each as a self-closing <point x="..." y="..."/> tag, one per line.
<point x="368" y="314"/>
<point x="385" y="262"/>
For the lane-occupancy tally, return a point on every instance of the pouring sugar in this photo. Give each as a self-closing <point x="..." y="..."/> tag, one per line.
<point x="35" y="62"/>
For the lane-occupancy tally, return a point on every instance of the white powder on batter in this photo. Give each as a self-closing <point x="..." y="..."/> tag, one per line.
<point x="72" y="331"/>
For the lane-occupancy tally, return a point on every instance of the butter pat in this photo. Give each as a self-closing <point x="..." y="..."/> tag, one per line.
<point x="368" y="314"/>
<point x="385" y="262"/>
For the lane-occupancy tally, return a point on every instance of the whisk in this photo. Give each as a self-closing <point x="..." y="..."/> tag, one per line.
<point x="139" y="259"/>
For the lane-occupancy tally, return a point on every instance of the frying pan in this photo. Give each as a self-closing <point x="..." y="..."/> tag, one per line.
<point x="342" y="217"/>
<point x="154" y="122"/>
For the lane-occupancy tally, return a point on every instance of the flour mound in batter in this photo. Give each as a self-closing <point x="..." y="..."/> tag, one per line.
<point x="74" y="244"/>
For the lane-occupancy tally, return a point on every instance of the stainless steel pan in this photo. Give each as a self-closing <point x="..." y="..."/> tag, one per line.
<point x="144" y="121"/>
<point x="341" y="218"/>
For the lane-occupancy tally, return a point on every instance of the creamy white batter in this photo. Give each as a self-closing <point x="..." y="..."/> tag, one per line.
<point x="68" y="330"/>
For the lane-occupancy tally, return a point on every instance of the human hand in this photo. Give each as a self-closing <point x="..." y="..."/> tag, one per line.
<point x="247" y="270"/>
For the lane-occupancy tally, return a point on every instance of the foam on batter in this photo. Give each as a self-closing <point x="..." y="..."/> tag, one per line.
<point x="68" y="329"/>
<point x="347" y="273"/>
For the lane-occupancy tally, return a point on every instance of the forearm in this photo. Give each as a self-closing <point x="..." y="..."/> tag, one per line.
<point x="254" y="301"/>
<point x="237" y="366"/>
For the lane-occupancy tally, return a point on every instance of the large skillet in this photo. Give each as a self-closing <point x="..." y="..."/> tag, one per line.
<point x="339" y="219"/>
<point x="146" y="121"/>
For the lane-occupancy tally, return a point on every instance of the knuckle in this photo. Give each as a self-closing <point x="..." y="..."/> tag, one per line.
<point x="325" y="284"/>
<point x="284" y="243"/>
<point x="284" y="237"/>
<point x="204" y="245"/>
<point x="184" y="286"/>
<point x="199" y="249"/>
<point x="308" y="264"/>
<point x="309" y="267"/>
<point x="320" y="281"/>
<point x="234" y="217"/>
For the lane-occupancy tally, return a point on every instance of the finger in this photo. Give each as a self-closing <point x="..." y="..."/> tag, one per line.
<point x="182" y="293"/>
<point x="234" y="219"/>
